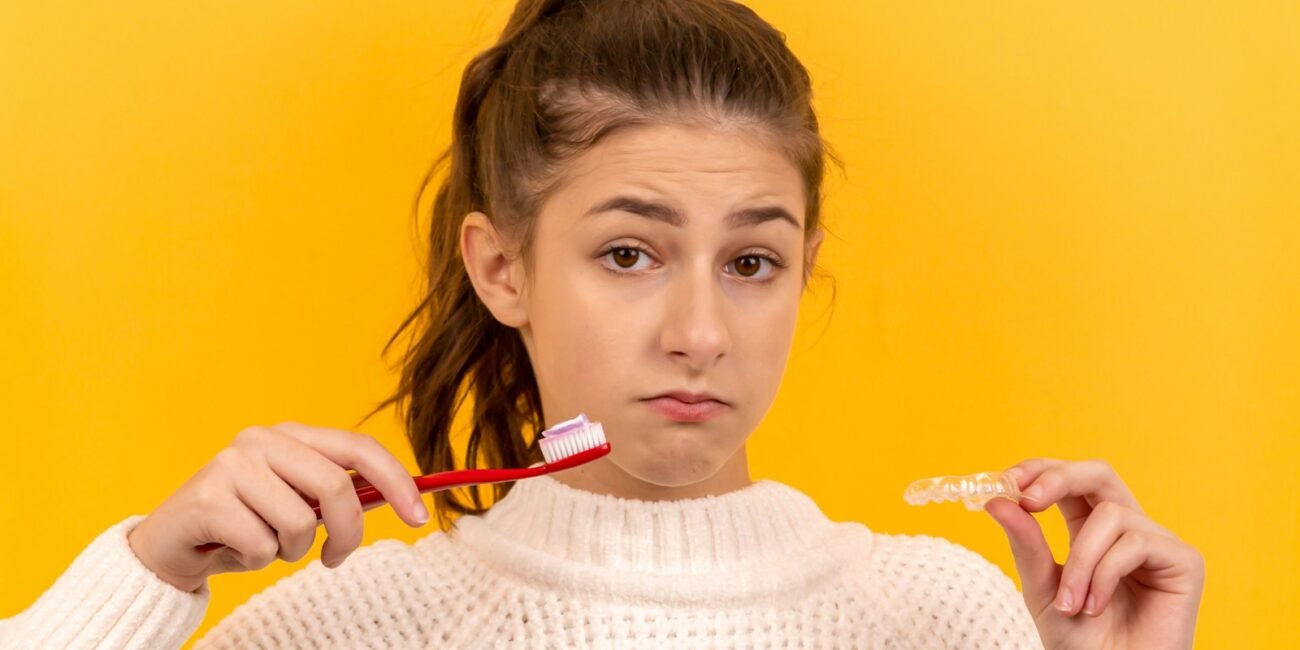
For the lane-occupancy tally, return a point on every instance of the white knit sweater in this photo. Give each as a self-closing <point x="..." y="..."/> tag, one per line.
<point x="554" y="567"/>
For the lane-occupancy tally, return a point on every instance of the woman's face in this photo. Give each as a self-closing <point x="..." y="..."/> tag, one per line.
<point x="671" y="259"/>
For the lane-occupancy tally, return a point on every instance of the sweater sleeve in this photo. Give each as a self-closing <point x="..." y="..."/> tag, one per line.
<point x="955" y="598"/>
<point x="108" y="598"/>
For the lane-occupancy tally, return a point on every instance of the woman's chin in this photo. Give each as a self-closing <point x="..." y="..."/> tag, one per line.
<point x="670" y="466"/>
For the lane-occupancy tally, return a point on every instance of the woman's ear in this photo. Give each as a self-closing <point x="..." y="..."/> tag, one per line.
<point x="496" y="276"/>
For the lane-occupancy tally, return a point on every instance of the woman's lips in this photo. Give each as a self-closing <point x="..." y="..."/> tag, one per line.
<point x="675" y="409"/>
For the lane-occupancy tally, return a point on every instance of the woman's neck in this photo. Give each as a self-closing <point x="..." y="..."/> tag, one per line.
<point x="606" y="478"/>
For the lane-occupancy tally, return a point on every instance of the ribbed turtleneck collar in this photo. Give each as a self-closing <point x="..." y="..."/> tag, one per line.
<point x="766" y="536"/>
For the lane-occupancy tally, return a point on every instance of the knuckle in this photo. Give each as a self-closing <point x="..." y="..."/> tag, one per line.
<point x="372" y="448"/>
<point x="293" y="555"/>
<point x="269" y="547"/>
<point x="1100" y="464"/>
<point x="207" y="496"/>
<point x="264" y="552"/>
<point x="228" y="458"/>
<point x="295" y="545"/>
<point x="1139" y="539"/>
<point x="340" y="485"/>
<point x="303" y="525"/>
<point x="1100" y="576"/>
<point x="231" y="463"/>
<point x="251" y="435"/>
<point x="1071" y="576"/>
<point x="1108" y="510"/>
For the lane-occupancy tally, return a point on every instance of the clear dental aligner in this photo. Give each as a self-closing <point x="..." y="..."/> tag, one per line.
<point x="973" y="489"/>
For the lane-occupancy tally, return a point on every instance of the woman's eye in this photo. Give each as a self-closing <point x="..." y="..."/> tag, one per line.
<point x="749" y="266"/>
<point x="625" y="257"/>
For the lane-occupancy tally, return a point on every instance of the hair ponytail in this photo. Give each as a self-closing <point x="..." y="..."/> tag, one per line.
<point x="562" y="75"/>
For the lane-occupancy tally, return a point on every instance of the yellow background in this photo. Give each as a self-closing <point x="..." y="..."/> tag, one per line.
<point x="1067" y="229"/>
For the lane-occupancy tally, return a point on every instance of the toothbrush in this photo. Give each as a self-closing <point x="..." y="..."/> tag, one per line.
<point x="566" y="445"/>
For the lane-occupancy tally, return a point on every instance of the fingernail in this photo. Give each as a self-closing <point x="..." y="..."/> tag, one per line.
<point x="332" y="563"/>
<point x="1063" y="601"/>
<point x="1090" y="605"/>
<point x="1033" y="493"/>
<point x="421" y="512"/>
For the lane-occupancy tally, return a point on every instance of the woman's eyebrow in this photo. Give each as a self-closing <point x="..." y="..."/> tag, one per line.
<point x="670" y="216"/>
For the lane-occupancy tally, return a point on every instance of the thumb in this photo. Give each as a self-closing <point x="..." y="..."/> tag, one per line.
<point x="1040" y="575"/>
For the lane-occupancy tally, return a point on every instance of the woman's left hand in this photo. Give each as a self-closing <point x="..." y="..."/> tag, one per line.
<point x="1127" y="582"/>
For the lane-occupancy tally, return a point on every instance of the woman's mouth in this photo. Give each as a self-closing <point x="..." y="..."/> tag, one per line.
<point x="680" y="411"/>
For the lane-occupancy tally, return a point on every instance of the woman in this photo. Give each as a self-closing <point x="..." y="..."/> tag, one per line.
<point x="631" y="214"/>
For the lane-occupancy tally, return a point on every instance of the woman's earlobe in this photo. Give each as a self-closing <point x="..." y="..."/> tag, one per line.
<point x="491" y="270"/>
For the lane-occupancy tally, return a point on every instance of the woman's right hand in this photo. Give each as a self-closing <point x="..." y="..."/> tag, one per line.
<point x="245" y="498"/>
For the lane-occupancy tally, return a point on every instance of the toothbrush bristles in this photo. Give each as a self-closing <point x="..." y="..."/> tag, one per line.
<point x="573" y="442"/>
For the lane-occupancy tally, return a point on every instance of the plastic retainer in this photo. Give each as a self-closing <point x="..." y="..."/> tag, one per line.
<point x="973" y="489"/>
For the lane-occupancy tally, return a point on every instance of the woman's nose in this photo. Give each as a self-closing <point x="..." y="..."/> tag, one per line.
<point x="695" y="330"/>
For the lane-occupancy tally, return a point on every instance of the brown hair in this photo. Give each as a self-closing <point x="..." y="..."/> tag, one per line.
<point x="562" y="75"/>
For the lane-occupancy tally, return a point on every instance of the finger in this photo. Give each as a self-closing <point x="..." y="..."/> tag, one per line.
<point x="316" y="476"/>
<point x="364" y="454"/>
<point x="1039" y="572"/>
<point x="1126" y="555"/>
<point x="1140" y="554"/>
<point x="1076" y="487"/>
<point x="250" y="544"/>
<point x="1107" y="523"/>
<point x="1030" y="472"/>
<point x="268" y="495"/>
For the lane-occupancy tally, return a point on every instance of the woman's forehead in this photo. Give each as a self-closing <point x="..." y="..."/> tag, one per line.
<point x="684" y="148"/>
<point x="672" y="171"/>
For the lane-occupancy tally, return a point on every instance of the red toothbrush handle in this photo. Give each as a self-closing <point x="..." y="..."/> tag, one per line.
<point x="371" y="497"/>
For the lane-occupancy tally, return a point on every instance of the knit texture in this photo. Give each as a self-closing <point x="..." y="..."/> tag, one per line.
<point x="107" y="598"/>
<point x="554" y="567"/>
